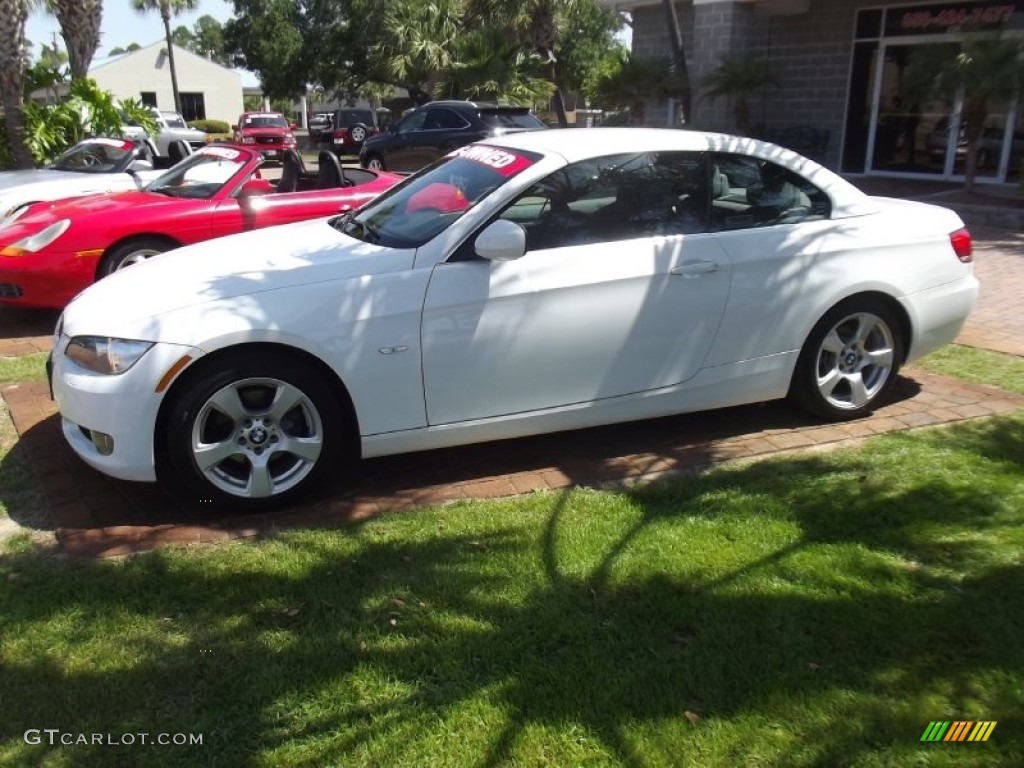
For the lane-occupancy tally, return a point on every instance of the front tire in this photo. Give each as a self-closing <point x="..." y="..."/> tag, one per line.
<point x="849" y="361"/>
<point x="254" y="432"/>
<point x="131" y="253"/>
<point x="375" y="163"/>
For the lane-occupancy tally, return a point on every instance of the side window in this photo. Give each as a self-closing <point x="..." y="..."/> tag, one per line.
<point x="412" y="122"/>
<point x="443" y="119"/>
<point x="618" y="197"/>
<point x="749" y="192"/>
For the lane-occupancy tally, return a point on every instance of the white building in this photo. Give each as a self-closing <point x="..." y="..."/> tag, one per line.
<point x="207" y="90"/>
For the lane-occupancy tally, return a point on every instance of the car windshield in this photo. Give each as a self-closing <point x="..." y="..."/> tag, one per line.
<point x="96" y="156"/>
<point x="173" y="120"/>
<point x="503" y="119"/>
<point x="202" y="175"/>
<point x="419" y="209"/>
<point x="264" y="121"/>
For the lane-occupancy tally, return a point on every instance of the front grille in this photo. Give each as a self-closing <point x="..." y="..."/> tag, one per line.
<point x="10" y="291"/>
<point x="269" y="140"/>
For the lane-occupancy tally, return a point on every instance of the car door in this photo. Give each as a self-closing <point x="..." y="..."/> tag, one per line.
<point x="403" y="152"/>
<point x="443" y="130"/>
<point x="621" y="291"/>
<point x="775" y="227"/>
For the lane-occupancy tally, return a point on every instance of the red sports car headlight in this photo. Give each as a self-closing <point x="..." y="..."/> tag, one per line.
<point x="38" y="241"/>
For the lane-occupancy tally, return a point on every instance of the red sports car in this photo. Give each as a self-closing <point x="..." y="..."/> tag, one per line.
<point x="50" y="251"/>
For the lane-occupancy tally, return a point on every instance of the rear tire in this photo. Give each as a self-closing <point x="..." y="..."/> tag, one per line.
<point x="849" y="361"/>
<point x="254" y="431"/>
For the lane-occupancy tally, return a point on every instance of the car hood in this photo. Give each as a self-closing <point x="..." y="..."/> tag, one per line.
<point x="129" y="303"/>
<point x="45" y="184"/>
<point x="80" y="209"/>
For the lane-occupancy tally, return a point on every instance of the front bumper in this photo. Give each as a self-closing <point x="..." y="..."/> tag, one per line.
<point x="47" y="280"/>
<point x="124" y="407"/>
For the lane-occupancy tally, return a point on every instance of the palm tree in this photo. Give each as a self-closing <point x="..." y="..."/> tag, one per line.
<point x="80" y="27"/>
<point x="537" y="22"/>
<point x="679" y="68"/>
<point x="489" y="66"/>
<point x="636" y="82"/>
<point x="13" y="14"/>
<point x="168" y="8"/>
<point x="419" y="43"/>
<point x="738" y="78"/>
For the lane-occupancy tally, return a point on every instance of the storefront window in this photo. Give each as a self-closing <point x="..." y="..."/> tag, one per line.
<point x="895" y="123"/>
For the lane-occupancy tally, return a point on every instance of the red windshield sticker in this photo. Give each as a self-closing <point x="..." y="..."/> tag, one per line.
<point x="504" y="161"/>
<point x="116" y="143"/>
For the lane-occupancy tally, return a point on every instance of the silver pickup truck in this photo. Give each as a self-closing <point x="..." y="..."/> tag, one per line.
<point x="171" y="127"/>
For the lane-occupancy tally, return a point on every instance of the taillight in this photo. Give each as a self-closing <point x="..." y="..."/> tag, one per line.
<point x="963" y="247"/>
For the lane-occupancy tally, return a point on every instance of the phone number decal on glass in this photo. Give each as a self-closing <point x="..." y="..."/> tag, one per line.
<point x="957" y="17"/>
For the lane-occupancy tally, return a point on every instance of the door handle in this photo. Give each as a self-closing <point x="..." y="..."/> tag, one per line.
<point x="694" y="268"/>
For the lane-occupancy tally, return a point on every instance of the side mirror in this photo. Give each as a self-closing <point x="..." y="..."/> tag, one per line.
<point x="140" y="165"/>
<point x="501" y="241"/>
<point x="255" y="188"/>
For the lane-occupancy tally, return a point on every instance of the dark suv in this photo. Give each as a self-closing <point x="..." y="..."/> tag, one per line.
<point x="349" y="128"/>
<point x="435" y="129"/>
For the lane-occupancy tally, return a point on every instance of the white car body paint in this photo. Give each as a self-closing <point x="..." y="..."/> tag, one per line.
<point x="437" y="353"/>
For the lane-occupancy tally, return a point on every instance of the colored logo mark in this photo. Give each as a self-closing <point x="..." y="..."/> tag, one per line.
<point x="958" y="730"/>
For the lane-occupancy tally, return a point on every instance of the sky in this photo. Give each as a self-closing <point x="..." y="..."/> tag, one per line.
<point x="123" y="25"/>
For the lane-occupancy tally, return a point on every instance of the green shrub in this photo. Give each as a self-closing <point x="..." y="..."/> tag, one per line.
<point x="210" y="126"/>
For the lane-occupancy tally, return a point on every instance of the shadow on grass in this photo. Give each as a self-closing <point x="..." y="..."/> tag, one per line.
<point x="375" y="642"/>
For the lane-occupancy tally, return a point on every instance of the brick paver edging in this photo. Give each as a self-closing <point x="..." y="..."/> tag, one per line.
<point x="99" y="517"/>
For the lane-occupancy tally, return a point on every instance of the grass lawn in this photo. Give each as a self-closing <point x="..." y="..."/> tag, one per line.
<point x="818" y="609"/>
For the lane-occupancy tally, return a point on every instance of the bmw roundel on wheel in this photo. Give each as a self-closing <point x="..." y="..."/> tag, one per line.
<point x="543" y="281"/>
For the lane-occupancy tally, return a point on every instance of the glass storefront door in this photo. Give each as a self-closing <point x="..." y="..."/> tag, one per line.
<point x="895" y="122"/>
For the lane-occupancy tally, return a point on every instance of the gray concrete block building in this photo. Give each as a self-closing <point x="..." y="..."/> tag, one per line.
<point x="841" y="68"/>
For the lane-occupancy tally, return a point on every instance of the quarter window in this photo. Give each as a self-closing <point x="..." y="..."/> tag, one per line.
<point x="618" y="197"/>
<point x="749" y="192"/>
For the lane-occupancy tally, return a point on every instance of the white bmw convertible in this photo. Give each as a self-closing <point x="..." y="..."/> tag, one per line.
<point x="551" y="280"/>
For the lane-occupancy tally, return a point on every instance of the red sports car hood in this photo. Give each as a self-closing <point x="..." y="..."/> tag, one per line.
<point x="81" y="210"/>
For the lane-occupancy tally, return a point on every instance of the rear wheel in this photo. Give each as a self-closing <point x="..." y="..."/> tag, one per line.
<point x="254" y="432"/>
<point x="131" y="253"/>
<point x="849" y="361"/>
<point x="375" y="163"/>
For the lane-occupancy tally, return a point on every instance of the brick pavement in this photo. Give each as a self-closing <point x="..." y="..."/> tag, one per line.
<point x="25" y="331"/>
<point x="997" y="323"/>
<point x="95" y="515"/>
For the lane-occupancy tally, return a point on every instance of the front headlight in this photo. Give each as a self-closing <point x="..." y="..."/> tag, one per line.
<point x="101" y="354"/>
<point x="38" y="241"/>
